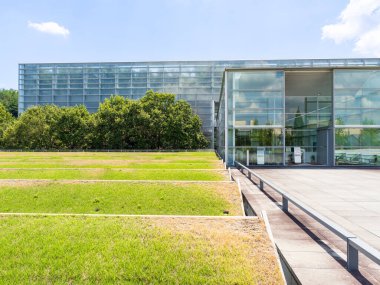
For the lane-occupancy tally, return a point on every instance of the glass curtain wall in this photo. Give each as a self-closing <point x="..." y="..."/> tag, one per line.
<point x="197" y="82"/>
<point x="308" y="117"/>
<point x="357" y="117"/>
<point x="91" y="83"/>
<point x="254" y="101"/>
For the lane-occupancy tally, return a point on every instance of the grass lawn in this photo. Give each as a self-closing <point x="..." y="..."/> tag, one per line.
<point x="120" y="198"/>
<point x="110" y="164"/>
<point x="89" y="250"/>
<point x="127" y="250"/>
<point x="154" y="160"/>
<point x="114" y="174"/>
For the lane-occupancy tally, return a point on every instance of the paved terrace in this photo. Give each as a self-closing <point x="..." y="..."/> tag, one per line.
<point x="350" y="198"/>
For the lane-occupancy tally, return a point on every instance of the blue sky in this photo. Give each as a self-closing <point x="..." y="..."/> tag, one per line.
<point x="145" y="30"/>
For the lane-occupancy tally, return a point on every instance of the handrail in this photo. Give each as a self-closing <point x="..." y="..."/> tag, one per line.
<point x="354" y="244"/>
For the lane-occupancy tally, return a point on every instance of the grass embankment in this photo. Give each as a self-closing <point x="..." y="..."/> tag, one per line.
<point x="89" y="250"/>
<point x="120" y="198"/>
<point x="135" y="160"/>
<point x="199" y="166"/>
<point x="114" y="174"/>
<point x="120" y="250"/>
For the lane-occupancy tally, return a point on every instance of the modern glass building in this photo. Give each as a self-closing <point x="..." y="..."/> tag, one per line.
<point x="265" y="112"/>
<point x="308" y="114"/>
<point x="70" y="84"/>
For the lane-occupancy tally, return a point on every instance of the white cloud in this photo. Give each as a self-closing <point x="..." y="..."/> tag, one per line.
<point x="49" y="28"/>
<point x="358" y="22"/>
<point x="369" y="43"/>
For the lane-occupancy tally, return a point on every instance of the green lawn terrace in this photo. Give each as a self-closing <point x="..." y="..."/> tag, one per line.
<point x="127" y="218"/>
<point x="116" y="190"/>
<point x="125" y="250"/>
<point x="197" y="166"/>
<point x="134" y="160"/>
<point x="137" y="198"/>
<point x="114" y="174"/>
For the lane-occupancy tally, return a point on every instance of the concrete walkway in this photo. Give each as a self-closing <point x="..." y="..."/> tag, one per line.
<point x="349" y="197"/>
<point x="315" y="255"/>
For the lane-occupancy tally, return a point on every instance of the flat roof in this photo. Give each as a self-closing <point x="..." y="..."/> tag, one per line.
<point x="251" y="62"/>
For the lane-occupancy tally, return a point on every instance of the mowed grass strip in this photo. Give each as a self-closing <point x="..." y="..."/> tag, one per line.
<point x="120" y="198"/>
<point x="114" y="174"/>
<point x="147" y="164"/>
<point x="156" y="160"/>
<point x="175" y="155"/>
<point x="87" y="250"/>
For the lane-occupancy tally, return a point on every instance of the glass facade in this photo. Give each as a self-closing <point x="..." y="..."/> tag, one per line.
<point x="262" y="109"/>
<point x="90" y="83"/>
<point x="316" y="115"/>
<point x="255" y="117"/>
<point x="357" y="117"/>
<point x="308" y="114"/>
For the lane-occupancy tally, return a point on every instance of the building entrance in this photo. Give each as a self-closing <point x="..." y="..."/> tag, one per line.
<point x="308" y="117"/>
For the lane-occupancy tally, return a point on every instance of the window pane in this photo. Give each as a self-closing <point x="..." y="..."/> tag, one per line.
<point x="258" y="137"/>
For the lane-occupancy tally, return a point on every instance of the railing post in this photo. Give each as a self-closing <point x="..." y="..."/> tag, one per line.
<point x="261" y="185"/>
<point x="354" y="244"/>
<point x="230" y="174"/>
<point x="352" y="257"/>
<point x="284" y="203"/>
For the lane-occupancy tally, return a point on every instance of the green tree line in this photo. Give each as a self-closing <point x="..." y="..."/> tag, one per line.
<point x="156" y="121"/>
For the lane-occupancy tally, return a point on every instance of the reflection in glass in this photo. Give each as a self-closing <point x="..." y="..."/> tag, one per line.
<point x="357" y="146"/>
<point x="357" y="137"/>
<point x="357" y="100"/>
<point x="267" y="155"/>
<point x="357" y="117"/>
<point x="258" y="137"/>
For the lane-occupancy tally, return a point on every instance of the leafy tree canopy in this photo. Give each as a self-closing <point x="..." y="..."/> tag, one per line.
<point x="9" y="98"/>
<point x="156" y="121"/>
<point x="5" y="120"/>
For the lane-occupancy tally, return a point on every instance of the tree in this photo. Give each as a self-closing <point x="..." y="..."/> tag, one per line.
<point x="120" y="123"/>
<point x="156" y="121"/>
<point x="34" y="129"/>
<point x="172" y="124"/>
<point x="342" y="135"/>
<point x="158" y="105"/>
<point x="369" y="136"/>
<point x="263" y="137"/>
<point x="184" y="127"/>
<point x="5" y="120"/>
<point x="9" y="98"/>
<point x="137" y="121"/>
<point x="72" y="127"/>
